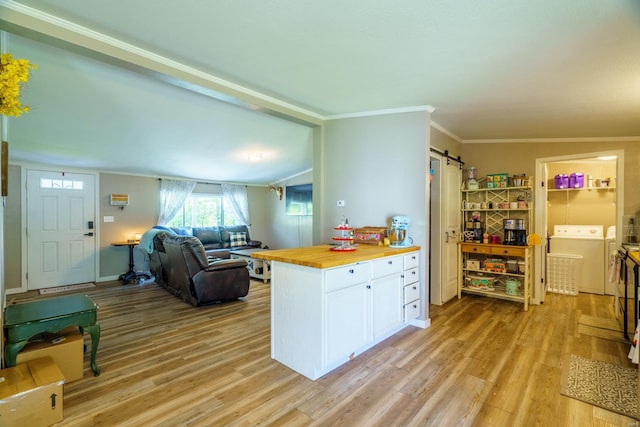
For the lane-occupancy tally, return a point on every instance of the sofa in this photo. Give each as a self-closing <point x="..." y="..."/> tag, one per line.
<point x="219" y="241"/>
<point x="183" y="268"/>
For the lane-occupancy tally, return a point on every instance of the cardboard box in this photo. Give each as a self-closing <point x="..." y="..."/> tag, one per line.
<point x="31" y="394"/>
<point x="67" y="353"/>
<point x="370" y="235"/>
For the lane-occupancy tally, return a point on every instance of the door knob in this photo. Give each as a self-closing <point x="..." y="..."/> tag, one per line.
<point x="88" y="234"/>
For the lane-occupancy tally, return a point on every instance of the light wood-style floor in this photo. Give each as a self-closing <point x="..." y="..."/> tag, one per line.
<point x="483" y="362"/>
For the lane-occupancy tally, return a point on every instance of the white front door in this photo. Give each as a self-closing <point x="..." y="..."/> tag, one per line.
<point x="61" y="248"/>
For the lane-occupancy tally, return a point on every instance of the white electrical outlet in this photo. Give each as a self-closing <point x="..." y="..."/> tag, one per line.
<point x="108" y="219"/>
<point x="340" y="203"/>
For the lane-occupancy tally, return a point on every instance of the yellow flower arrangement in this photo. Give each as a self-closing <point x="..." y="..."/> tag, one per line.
<point x="14" y="73"/>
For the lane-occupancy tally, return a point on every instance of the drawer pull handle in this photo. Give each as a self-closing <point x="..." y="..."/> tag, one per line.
<point x="351" y="271"/>
<point x="413" y="272"/>
<point x="415" y="287"/>
<point x="368" y="286"/>
<point x="389" y="262"/>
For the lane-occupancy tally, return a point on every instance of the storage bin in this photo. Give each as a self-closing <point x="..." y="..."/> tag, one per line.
<point x="483" y="283"/>
<point x="473" y="264"/>
<point x="497" y="180"/>
<point x="563" y="273"/>
<point x="495" y="265"/>
<point x="576" y="180"/>
<point x="512" y="266"/>
<point x="561" y="181"/>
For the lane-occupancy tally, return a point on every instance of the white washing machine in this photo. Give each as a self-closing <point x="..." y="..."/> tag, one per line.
<point x="588" y="241"/>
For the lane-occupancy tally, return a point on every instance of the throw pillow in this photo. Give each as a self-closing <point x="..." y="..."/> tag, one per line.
<point x="237" y="238"/>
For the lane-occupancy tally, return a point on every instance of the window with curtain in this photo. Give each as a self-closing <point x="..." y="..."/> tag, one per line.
<point x="205" y="210"/>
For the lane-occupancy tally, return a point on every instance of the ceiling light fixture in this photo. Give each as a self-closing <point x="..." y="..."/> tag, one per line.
<point x="255" y="157"/>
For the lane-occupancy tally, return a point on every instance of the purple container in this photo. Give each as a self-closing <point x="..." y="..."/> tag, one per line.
<point x="562" y="181"/>
<point x="576" y="180"/>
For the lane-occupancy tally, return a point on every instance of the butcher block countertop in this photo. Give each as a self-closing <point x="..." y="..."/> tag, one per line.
<point x="322" y="257"/>
<point x="634" y="256"/>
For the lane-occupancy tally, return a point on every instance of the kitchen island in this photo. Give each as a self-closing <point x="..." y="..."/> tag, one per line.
<point x="328" y="306"/>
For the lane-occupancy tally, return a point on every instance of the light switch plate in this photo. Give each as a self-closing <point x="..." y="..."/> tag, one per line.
<point x="108" y="218"/>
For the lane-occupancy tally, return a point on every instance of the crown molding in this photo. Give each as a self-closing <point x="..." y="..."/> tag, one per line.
<point x="446" y="131"/>
<point x="548" y="140"/>
<point x="428" y="108"/>
<point x="77" y="38"/>
<point x="291" y="176"/>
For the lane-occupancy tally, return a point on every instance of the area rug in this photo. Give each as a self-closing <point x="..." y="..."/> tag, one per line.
<point x="66" y="288"/>
<point x="602" y="384"/>
<point x="602" y="328"/>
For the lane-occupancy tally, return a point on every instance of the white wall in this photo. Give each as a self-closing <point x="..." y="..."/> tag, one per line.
<point x="378" y="165"/>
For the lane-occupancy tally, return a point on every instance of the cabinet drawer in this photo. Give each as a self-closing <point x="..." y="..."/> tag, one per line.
<point x="412" y="310"/>
<point x="477" y="249"/>
<point x="386" y="266"/>
<point x="411" y="260"/>
<point x="508" y="251"/>
<point x="348" y="275"/>
<point x="410" y="276"/>
<point x="411" y="293"/>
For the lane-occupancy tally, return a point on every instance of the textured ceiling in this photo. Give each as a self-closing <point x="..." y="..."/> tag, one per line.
<point x="492" y="70"/>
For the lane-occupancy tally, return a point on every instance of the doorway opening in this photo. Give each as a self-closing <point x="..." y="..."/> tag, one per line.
<point x="597" y="201"/>
<point x="445" y="222"/>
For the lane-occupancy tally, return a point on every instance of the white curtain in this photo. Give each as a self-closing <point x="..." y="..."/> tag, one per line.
<point x="173" y="194"/>
<point x="237" y="197"/>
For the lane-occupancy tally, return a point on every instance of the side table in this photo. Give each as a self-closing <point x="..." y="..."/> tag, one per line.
<point x="131" y="275"/>
<point x="24" y="320"/>
<point x="258" y="268"/>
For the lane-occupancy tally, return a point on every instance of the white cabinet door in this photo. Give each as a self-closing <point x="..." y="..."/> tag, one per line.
<point x="387" y="306"/>
<point x="346" y="320"/>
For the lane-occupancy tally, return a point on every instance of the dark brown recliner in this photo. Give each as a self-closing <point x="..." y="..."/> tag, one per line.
<point x="197" y="280"/>
<point x="157" y="258"/>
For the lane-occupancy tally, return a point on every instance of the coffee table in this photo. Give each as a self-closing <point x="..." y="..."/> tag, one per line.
<point x="24" y="320"/>
<point x="258" y="268"/>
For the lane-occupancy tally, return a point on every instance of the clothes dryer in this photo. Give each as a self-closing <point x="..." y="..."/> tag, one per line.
<point x="587" y="241"/>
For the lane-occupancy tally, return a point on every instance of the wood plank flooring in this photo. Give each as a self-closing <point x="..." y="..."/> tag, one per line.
<point x="483" y="362"/>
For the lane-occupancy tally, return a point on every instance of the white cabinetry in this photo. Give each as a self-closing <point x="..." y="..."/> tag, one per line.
<point x="386" y="296"/>
<point x="346" y="311"/>
<point x="322" y="318"/>
<point x="411" y="286"/>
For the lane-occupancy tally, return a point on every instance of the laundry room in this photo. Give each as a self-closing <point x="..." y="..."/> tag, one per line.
<point x="581" y="217"/>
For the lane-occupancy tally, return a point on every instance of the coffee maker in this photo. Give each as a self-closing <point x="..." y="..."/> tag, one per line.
<point x="473" y="231"/>
<point x="398" y="233"/>
<point x="514" y="232"/>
